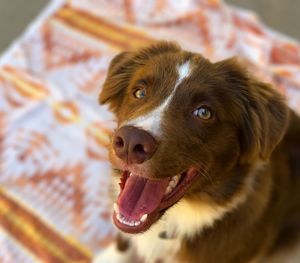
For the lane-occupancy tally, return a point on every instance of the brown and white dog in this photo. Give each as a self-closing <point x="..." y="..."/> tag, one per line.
<point x="206" y="156"/>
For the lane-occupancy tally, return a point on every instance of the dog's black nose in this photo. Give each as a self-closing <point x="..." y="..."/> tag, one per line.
<point x="133" y="145"/>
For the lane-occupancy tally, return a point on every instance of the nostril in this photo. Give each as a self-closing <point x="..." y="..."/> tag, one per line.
<point x="139" y="148"/>
<point x="119" y="142"/>
<point x="133" y="145"/>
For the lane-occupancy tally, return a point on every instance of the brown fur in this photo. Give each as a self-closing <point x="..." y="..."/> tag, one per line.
<point x="250" y="135"/>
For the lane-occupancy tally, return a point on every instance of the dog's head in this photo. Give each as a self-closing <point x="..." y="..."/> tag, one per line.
<point x="186" y="127"/>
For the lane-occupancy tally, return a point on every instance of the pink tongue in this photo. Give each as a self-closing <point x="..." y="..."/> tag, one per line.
<point x="141" y="196"/>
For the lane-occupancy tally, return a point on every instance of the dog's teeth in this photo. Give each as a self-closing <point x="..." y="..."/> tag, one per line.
<point x="131" y="223"/>
<point x="173" y="184"/>
<point x="116" y="208"/>
<point x="176" y="178"/>
<point x="144" y="218"/>
<point x="168" y="190"/>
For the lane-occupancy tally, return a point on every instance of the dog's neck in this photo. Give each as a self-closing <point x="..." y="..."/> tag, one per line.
<point x="191" y="215"/>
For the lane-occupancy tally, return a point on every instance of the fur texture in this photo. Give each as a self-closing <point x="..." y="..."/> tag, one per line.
<point x="247" y="154"/>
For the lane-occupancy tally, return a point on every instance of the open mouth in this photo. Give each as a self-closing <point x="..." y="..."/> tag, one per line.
<point x="142" y="200"/>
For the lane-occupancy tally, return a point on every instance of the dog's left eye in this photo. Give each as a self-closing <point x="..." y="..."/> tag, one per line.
<point x="203" y="113"/>
<point x="139" y="93"/>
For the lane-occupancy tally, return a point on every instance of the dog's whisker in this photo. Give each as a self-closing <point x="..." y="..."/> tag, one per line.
<point x="206" y="175"/>
<point x="202" y="168"/>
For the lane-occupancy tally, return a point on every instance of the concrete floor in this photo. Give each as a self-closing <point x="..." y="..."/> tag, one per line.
<point x="282" y="15"/>
<point x="14" y="16"/>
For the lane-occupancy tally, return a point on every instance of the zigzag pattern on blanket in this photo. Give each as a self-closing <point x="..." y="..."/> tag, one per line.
<point x="54" y="173"/>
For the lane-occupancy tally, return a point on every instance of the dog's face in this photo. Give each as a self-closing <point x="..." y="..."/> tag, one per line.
<point x="186" y="128"/>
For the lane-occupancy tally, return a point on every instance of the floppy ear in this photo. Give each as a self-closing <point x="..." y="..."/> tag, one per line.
<point x="264" y="123"/>
<point x="116" y="81"/>
<point x="262" y="111"/>
<point x="123" y="66"/>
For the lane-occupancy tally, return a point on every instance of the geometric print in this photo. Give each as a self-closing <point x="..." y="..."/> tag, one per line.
<point x="54" y="170"/>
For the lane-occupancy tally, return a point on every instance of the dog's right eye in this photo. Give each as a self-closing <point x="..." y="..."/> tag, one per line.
<point x="203" y="113"/>
<point x="139" y="93"/>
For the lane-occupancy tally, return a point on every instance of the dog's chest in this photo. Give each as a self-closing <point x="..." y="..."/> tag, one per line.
<point x="183" y="220"/>
<point x="152" y="248"/>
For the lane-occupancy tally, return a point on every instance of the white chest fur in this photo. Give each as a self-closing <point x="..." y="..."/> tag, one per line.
<point x="183" y="220"/>
<point x="152" y="248"/>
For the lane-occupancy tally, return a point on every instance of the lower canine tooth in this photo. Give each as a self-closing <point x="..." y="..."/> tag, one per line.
<point x="144" y="217"/>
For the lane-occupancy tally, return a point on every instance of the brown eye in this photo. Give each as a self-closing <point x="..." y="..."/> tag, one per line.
<point x="139" y="93"/>
<point x="203" y="113"/>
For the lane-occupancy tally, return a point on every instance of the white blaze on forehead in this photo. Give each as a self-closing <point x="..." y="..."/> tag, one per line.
<point x="183" y="72"/>
<point x="152" y="120"/>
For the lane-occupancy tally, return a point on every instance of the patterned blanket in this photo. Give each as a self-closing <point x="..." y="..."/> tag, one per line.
<point x="54" y="173"/>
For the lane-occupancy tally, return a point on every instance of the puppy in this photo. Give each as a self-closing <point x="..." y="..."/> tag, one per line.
<point x="206" y="160"/>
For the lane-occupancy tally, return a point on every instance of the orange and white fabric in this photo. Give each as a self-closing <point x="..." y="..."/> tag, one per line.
<point x="54" y="173"/>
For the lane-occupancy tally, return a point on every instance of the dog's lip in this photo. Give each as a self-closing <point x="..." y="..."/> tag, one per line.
<point x="168" y="200"/>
